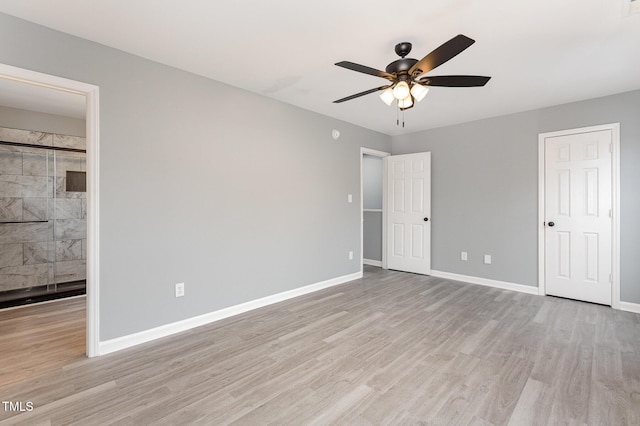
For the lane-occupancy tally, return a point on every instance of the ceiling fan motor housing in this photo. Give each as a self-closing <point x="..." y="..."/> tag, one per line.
<point x="401" y="66"/>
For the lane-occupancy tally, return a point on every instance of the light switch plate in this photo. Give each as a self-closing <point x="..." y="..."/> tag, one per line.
<point x="179" y="289"/>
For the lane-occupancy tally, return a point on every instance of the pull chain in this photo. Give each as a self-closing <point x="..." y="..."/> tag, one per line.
<point x="398" y="114"/>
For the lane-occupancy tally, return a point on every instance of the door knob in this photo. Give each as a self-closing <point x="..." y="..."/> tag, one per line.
<point x="426" y="219"/>
<point x="552" y="224"/>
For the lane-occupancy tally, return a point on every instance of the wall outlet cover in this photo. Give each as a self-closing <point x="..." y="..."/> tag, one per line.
<point x="487" y="259"/>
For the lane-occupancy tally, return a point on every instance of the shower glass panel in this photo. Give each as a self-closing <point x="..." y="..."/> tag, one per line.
<point x="42" y="224"/>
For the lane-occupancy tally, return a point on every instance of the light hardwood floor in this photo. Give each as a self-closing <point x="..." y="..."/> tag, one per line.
<point x="391" y="348"/>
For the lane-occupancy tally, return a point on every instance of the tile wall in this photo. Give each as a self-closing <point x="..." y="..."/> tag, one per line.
<point x="33" y="188"/>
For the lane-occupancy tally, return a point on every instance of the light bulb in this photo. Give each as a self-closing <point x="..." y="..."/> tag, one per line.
<point x="419" y="91"/>
<point x="387" y="96"/>
<point x="401" y="91"/>
<point x="405" y="103"/>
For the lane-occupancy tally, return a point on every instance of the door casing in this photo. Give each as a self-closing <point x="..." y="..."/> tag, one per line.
<point x="615" y="192"/>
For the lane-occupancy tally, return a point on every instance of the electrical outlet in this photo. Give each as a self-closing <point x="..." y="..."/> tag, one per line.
<point x="463" y="255"/>
<point x="179" y="289"/>
<point x="350" y="255"/>
<point x="350" y="198"/>
<point x="487" y="259"/>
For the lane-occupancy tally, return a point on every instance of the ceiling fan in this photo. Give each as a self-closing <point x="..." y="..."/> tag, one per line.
<point x="405" y="75"/>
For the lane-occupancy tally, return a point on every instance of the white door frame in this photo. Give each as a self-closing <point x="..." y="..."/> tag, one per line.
<point x="380" y="154"/>
<point x="615" y="204"/>
<point x="91" y="93"/>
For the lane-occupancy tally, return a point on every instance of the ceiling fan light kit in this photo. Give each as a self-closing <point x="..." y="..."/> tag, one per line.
<point x="406" y="74"/>
<point x="387" y="96"/>
<point x="401" y="90"/>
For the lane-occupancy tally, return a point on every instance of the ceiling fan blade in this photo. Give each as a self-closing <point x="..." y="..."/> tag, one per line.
<point x="366" y="70"/>
<point x="455" y="81"/>
<point x="357" y="95"/>
<point x="441" y="55"/>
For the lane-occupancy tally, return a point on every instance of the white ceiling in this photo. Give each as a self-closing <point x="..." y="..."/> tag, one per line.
<point x="539" y="52"/>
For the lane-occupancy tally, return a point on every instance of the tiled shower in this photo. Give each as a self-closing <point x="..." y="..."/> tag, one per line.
<point x="42" y="215"/>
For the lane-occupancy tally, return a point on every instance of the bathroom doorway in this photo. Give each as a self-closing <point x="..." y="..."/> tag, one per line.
<point x="48" y="191"/>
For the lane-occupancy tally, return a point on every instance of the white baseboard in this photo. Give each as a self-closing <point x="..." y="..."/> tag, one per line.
<point x="630" y="307"/>
<point x="486" y="282"/>
<point x="372" y="262"/>
<point x="124" y="342"/>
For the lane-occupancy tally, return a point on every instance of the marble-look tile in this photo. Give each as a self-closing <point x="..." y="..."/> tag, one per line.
<point x="37" y="164"/>
<point x="23" y="186"/>
<point x="71" y="271"/>
<point x="10" y="162"/>
<point x="68" y="208"/>
<point x="10" y="255"/>
<point x="66" y="141"/>
<point x="26" y="136"/>
<point x="68" y="250"/>
<point x="35" y="253"/>
<point x="10" y="209"/>
<point x="70" y="229"/>
<point x="61" y="190"/>
<point x="84" y="249"/>
<point x="83" y="208"/>
<point x="34" y="208"/>
<point x="25" y="233"/>
<point x="69" y="161"/>
<point x="17" y="277"/>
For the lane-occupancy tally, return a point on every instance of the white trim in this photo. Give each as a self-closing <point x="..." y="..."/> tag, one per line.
<point x="130" y="340"/>
<point x="372" y="210"/>
<point x="91" y="92"/>
<point x="381" y="154"/>
<point x="615" y="204"/>
<point x="629" y="307"/>
<point x="486" y="282"/>
<point x="370" y="262"/>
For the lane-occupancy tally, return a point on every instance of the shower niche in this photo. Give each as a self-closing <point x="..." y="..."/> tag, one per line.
<point x="42" y="216"/>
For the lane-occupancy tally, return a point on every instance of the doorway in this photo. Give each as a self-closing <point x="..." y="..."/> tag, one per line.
<point x="372" y="190"/>
<point x="579" y="214"/>
<point x="90" y="93"/>
<point x="399" y="216"/>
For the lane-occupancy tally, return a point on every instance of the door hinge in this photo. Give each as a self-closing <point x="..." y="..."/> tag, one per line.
<point x="611" y="147"/>
<point x="610" y="278"/>
<point x="610" y="213"/>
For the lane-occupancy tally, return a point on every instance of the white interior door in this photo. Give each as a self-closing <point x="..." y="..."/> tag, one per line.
<point x="578" y="224"/>
<point x="408" y="218"/>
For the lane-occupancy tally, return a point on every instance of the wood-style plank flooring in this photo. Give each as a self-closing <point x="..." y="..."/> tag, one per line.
<point x="391" y="348"/>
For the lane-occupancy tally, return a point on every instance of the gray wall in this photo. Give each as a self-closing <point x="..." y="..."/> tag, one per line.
<point x="236" y="195"/>
<point x="372" y="199"/>
<point x="372" y="236"/>
<point x="371" y="182"/>
<point x="30" y="120"/>
<point x="484" y="188"/>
